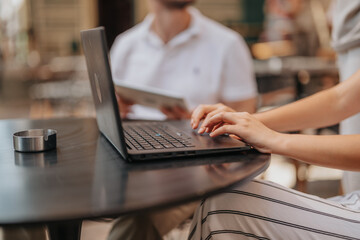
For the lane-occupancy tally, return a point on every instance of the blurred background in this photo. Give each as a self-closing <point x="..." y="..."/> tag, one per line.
<point x="43" y="72"/>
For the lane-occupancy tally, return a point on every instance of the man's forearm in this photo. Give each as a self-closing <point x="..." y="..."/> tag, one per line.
<point x="248" y="105"/>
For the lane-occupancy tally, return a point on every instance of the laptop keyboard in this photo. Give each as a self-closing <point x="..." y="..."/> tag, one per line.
<point x="154" y="136"/>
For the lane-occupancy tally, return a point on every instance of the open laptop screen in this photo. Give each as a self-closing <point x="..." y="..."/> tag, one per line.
<point x="107" y="112"/>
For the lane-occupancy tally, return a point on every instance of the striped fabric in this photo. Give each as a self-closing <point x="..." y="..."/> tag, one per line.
<point x="265" y="210"/>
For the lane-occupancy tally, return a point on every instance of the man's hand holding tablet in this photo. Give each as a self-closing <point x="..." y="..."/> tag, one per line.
<point x="173" y="106"/>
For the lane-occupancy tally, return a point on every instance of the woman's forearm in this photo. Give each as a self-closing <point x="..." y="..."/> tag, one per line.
<point x="311" y="112"/>
<point x="334" y="151"/>
<point x="319" y="110"/>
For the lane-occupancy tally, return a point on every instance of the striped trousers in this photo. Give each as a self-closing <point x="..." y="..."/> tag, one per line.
<point x="265" y="210"/>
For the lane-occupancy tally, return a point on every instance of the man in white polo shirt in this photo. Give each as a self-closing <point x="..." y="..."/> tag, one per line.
<point x="177" y="49"/>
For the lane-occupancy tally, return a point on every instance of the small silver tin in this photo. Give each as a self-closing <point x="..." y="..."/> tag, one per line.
<point x="35" y="140"/>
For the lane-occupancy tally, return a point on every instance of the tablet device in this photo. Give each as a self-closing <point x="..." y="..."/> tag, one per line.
<point x="148" y="96"/>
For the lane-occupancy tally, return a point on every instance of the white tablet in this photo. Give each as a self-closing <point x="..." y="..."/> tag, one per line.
<point x="148" y="96"/>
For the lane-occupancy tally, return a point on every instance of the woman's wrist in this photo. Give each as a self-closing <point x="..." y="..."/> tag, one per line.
<point x="278" y="143"/>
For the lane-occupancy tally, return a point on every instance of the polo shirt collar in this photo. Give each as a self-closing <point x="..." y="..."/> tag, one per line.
<point x="192" y="31"/>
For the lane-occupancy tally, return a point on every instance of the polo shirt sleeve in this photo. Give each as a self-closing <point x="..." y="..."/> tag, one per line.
<point x="238" y="78"/>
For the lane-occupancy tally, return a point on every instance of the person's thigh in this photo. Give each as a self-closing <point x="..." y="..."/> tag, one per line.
<point x="166" y="220"/>
<point x="349" y="63"/>
<point x="264" y="210"/>
<point x="151" y="226"/>
<point x="133" y="227"/>
<point x="24" y="233"/>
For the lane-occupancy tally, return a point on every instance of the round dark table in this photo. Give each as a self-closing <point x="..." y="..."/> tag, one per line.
<point x="86" y="178"/>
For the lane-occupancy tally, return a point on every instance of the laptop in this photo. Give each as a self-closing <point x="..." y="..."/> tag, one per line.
<point x="141" y="140"/>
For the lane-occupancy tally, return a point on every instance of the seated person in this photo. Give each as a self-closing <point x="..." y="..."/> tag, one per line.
<point x="179" y="50"/>
<point x="265" y="210"/>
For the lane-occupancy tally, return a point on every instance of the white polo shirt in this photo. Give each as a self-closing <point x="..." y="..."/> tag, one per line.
<point x="206" y="64"/>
